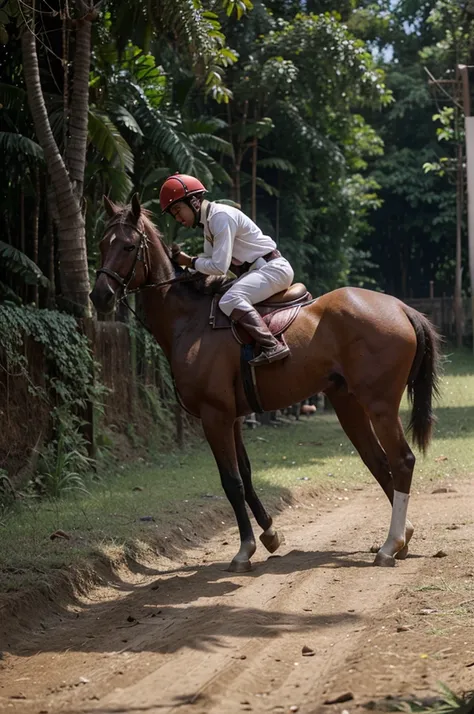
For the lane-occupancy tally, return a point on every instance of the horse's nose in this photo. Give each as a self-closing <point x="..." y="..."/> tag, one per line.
<point x="103" y="296"/>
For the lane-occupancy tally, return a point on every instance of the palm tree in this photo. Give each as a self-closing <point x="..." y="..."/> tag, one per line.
<point x="67" y="175"/>
<point x="67" y="172"/>
<point x="139" y="136"/>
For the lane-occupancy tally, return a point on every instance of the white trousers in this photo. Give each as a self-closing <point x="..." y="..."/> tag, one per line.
<point x="260" y="283"/>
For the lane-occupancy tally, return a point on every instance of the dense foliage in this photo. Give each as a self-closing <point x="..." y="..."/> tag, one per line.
<point x="316" y="117"/>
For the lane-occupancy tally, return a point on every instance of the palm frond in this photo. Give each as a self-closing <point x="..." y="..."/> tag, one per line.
<point x="118" y="182"/>
<point x="218" y="172"/>
<point x="153" y="205"/>
<point x="15" y="144"/>
<point x="274" y="162"/>
<point x="201" y="170"/>
<point x="245" y="179"/>
<point x="155" y="176"/>
<point x="16" y="262"/>
<point x="6" y="293"/>
<point x="108" y="140"/>
<point x="258" y="129"/>
<point x="163" y="133"/>
<point x="204" y="125"/>
<point x="123" y="117"/>
<point x="12" y="97"/>
<point x="215" y="143"/>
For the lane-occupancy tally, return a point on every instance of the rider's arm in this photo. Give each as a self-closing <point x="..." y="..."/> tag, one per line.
<point x="223" y="229"/>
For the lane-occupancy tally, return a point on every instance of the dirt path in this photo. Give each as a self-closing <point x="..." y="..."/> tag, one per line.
<point x="198" y="639"/>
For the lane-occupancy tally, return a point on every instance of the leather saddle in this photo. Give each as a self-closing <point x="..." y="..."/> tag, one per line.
<point x="279" y="311"/>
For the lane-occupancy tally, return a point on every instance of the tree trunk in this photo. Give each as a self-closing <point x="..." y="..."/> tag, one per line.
<point x="74" y="274"/>
<point x="235" y="176"/>
<point x="79" y="112"/>
<point x="237" y="193"/>
<point x="254" y="179"/>
<point x="25" y="288"/>
<point x="239" y="151"/>
<point x="36" y="214"/>
<point x="51" y="257"/>
<point x="22" y="220"/>
<point x="458" y="313"/>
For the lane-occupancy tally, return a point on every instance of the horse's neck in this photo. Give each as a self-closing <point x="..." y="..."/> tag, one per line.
<point x="170" y="308"/>
<point x="160" y="265"/>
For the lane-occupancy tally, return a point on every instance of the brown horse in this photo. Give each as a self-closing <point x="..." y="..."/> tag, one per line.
<point x="361" y="348"/>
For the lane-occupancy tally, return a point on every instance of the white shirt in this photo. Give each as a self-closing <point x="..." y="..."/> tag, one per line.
<point x="229" y="236"/>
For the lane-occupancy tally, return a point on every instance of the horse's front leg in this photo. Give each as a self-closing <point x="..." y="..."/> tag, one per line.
<point x="270" y="537"/>
<point x="219" y="431"/>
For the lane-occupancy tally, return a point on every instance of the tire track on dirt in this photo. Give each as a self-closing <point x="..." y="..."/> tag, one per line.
<point x="203" y="640"/>
<point x="319" y="605"/>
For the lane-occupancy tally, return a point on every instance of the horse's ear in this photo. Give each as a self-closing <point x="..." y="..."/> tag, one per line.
<point x="110" y="208"/>
<point x="136" y="207"/>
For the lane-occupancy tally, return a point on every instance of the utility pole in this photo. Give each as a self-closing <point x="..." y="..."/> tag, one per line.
<point x="463" y="72"/>
<point x="451" y="89"/>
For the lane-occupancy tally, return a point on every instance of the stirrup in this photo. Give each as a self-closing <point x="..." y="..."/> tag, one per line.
<point x="273" y="355"/>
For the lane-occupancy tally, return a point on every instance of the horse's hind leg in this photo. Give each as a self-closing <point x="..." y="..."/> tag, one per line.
<point x="270" y="537"/>
<point x="219" y="431"/>
<point x="389" y="430"/>
<point x="358" y="428"/>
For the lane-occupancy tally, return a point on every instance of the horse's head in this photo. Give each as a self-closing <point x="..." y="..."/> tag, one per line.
<point x="124" y="254"/>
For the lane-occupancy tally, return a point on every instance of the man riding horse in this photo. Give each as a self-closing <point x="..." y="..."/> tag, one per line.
<point x="361" y="348"/>
<point x="232" y="241"/>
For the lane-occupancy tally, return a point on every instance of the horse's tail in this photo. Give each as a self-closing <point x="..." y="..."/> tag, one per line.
<point x="423" y="380"/>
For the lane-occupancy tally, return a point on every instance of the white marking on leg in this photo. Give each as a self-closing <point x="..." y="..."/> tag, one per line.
<point x="396" y="534"/>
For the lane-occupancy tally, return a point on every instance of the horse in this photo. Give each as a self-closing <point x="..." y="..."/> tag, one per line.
<point x="360" y="347"/>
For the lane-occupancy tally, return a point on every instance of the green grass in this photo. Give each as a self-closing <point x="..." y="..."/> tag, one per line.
<point x="311" y="452"/>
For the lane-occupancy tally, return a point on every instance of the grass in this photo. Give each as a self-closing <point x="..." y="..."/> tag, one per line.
<point x="179" y="485"/>
<point x="446" y="702"/>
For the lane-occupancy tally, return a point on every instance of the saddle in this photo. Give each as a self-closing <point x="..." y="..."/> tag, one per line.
<point x="278" y="312"/>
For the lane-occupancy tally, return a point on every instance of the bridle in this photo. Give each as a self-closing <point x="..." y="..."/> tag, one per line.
<point x="141" y="255"/>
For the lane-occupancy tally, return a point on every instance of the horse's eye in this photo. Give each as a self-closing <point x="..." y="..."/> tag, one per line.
<point x="129" y="248"/>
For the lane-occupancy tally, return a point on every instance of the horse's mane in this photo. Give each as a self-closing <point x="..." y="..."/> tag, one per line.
<point x="202" y="284"/>
<point x="206" y="284"/>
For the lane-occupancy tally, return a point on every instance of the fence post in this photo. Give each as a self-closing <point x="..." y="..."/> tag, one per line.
<point x="90" y="418"/>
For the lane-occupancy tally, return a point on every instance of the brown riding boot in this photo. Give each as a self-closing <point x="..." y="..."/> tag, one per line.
<point x="253" y="323"/>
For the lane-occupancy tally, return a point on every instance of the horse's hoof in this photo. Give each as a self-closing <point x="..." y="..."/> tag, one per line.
<point x="272" y="541"/>
<point x="240" y="566"/>
<point x="384" y="561"/>
<point x="402" y="554"/>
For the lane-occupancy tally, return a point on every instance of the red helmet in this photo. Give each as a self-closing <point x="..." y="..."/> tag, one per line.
<point x="177" y="188"/>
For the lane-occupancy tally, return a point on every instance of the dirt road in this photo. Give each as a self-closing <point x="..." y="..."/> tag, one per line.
<point x="199" y="639"/>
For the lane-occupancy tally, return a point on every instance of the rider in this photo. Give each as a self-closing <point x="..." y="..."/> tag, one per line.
<point x="231" y="241"/>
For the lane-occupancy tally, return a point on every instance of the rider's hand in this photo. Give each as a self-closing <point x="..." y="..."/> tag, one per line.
<point x="183" y="259"/>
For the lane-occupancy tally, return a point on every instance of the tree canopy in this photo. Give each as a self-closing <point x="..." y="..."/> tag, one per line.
<point x="316" y="117"/>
